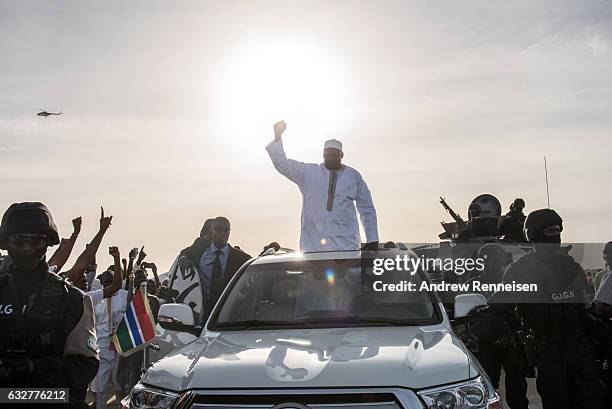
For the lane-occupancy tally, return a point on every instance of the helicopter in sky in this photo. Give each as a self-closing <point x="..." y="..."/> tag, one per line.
<point x="45" y="114"/>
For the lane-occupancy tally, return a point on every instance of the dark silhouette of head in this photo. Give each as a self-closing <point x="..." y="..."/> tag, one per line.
<point x="518" y="205"/>
<point x="27" y="230"/>
<point x="140" y="276"/>
<point x="332" y="154"/>
<point x="151" y="286"/>
<point x="332" y="158"/>
<point x="81" y="282"/>
<point x="206" y="231"/>
<point x="220" y="231"/>
<point x="474" y="211"/>
<point x="607" y="253"/>
<point x="106" y="278"/>
<point x="544" y="226"/>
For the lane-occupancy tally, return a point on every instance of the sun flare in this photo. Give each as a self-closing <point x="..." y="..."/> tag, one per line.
<point x="281" y="81"/>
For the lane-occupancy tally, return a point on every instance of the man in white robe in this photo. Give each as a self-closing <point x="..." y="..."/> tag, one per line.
<point x="109" y="312"/>
<point x="330" y="193"/>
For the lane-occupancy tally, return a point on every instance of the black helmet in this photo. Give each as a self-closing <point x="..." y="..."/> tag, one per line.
<point x="28" y="217"/>
<point x="540" y="219"/>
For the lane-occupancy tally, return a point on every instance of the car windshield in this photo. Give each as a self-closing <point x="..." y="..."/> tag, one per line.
<point x="322" y="293"/>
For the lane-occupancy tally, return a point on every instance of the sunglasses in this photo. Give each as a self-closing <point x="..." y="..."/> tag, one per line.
<point x="20" y="240"/>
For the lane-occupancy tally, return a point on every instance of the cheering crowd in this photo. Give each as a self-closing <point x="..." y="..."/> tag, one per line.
<point x="110" y="293"/>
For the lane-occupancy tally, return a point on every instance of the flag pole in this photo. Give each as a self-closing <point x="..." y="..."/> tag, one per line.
<point x="143" y="293"/>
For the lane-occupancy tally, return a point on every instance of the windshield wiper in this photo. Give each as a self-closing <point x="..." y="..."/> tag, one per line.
<point x="254" y="324"/>
<point x="248" y="324"/>
<point x="381" y="321"/>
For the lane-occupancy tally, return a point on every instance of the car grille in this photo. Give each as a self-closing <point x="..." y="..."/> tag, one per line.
<point x="299" y="401"/>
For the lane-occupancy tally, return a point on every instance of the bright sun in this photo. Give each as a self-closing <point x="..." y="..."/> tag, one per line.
<point x="281" y="81"/>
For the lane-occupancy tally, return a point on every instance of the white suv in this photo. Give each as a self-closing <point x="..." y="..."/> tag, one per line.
<point x="309" y="331"/>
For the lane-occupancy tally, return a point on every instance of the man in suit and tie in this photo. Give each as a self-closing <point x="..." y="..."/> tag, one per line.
<point x="215" y="260"/>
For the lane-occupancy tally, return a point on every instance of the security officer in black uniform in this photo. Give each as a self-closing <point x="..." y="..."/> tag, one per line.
<point x="511" y="224"/>
<point x="498" y="346"/>
<point x="567" y="372"/>
<point x="48" y="337"/>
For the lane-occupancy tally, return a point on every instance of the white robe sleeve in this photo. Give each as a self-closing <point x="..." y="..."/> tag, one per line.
<point x="367" y="212"/>
<point x="291" y="169"/>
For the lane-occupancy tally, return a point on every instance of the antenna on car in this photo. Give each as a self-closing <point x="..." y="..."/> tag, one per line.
<point x="546" y="176"/>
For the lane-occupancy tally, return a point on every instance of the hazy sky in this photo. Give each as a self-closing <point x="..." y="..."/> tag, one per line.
<point x="168" y="107"/>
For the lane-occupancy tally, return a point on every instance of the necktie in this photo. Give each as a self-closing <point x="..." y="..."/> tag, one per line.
<point x="216" y="286"/>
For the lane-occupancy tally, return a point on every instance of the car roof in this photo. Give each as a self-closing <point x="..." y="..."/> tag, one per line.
<point x="283" y="257"/>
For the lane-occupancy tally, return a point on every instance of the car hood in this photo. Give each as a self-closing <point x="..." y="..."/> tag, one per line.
<point x="412" y="357"/>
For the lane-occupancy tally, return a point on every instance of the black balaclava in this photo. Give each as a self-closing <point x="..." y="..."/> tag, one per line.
<point x="20" y="259"/>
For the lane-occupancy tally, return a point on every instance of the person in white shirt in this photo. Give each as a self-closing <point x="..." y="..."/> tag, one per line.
<point x="603" y="296"/>
<point x="603" y="275"/>
<point x="109" y="301"/>
<point x="330" y="193"/>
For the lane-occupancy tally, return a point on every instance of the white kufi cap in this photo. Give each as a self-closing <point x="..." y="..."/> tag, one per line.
<point x="333" y="143"/>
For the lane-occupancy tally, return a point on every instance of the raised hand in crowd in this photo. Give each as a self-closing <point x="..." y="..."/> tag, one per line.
<point x="153" y="268"/>
<point x="133" y="253"/>
<point x="76" y="225"/>
<point x="132" y="257"/>
<point x="274" y="245"/>
<point x="61" y="255"/>
<point x="88" y="256"/>
<point x="105" y="221"/>
<point x="117" y="277"/>
<point x="186" y="264"/>
<point x="141" y="256"/>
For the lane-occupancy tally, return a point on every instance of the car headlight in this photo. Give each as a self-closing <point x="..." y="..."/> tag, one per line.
<point x="475" y="394"/>
<point x="145" y="397"/>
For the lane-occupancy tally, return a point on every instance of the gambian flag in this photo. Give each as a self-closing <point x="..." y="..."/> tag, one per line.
<point x="137" y="328"/>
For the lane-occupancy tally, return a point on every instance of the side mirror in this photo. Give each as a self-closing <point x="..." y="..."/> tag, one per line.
<point x="465" y="303"/>
<point x="176" y="317"/>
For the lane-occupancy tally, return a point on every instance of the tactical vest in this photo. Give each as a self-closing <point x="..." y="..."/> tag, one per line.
<point x="37" y="326"/>
<point x="561" y="311"/>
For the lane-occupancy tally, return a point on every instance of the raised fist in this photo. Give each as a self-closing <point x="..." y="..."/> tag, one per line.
<point x="133" y="253"/>
<point x="76" y="225"/>
<point x="114" y="251"/>
<point x="279" y="128"/>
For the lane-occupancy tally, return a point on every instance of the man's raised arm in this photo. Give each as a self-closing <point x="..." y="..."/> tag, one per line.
<point x="291" y="169"/>
<point x="117" y="274"/>
<point x="62" y="254"/>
